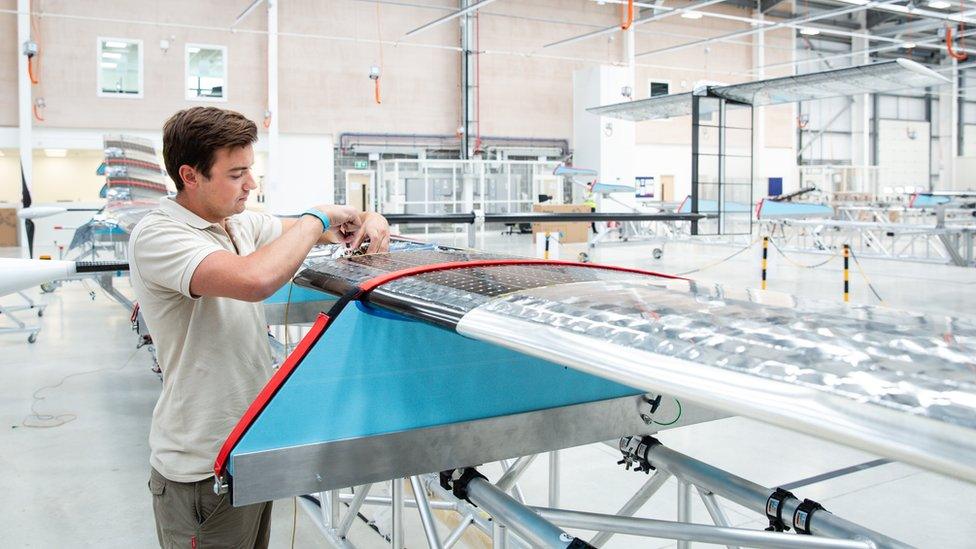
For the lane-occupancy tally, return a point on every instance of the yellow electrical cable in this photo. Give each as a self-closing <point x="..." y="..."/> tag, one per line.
<point x="719" y="262"/>
<point x="801" y="265"/>
<point x="857" y="263"/>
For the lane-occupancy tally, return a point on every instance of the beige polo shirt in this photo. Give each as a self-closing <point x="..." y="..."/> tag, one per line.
<point x="213" y="351"/>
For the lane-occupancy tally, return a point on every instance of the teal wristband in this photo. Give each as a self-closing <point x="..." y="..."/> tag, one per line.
<point x="320" y="216"/>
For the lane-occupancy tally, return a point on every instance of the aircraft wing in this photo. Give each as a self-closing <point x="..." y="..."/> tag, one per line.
<point x="898" y="384"/>
<point x="662" y="106"/>
<point x="898" y="74"/>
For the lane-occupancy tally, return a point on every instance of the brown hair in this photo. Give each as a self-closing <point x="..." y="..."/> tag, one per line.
<point x="193" y="137"/>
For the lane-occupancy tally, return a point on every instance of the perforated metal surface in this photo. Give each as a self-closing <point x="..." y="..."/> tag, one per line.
<point x="339" y="275"/>
<point x="444" y="296"/>
<point x="458" y="287"/>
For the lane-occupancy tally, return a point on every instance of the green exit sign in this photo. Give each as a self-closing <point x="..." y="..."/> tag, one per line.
<point x="361" y="164"/>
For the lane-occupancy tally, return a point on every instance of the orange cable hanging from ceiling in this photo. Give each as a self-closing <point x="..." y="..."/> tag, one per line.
<point x="379" y="40"/>
<point x="958" y="56"/>
<point x="30" y="70"/>
<point x="628" y="15"/>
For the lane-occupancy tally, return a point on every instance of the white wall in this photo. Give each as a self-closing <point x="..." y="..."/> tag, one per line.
<point x="307" y="174"/>
<point x="904" y="160"/>
<point x="965" y="175"/>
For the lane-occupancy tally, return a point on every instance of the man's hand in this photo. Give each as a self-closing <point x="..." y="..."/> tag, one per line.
<point x="374" y="227"/>
<point x="345" y="221"/>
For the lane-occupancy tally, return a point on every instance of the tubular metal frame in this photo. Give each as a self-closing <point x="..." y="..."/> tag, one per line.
<point x="510" y="523"/>
<point x="20" y="326"/>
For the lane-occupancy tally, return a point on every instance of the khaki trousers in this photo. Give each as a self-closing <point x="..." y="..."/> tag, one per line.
<point x="189" y="515"/>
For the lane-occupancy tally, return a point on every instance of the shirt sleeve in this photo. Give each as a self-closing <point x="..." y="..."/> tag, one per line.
<point x="264" y="227"/>
<point x="167" y="257"/>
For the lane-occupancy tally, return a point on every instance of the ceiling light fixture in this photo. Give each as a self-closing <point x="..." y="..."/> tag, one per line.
<point x="111" y="55"/>
<point x="809" y="31"/>
<point x="113" y="44"/>
<point x="939" y="4"/>
<point x="908" y="45"/>
<point x="691" y="15"/>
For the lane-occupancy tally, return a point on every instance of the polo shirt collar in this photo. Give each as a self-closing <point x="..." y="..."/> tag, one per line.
<point x="178" y="212"/>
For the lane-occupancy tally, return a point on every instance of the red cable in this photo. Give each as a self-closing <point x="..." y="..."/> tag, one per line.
<point x="30" y="70"/>
<point x="37" y="115"/>
<point x="629" y="15"/>
<point x="957" y="56"/>
<point x="376" y="90"/>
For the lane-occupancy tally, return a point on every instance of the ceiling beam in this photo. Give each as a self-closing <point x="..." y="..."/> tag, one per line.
<point x="796" y="22"/>
<point x="448" y="17"/>
<point x="640" y="21"/>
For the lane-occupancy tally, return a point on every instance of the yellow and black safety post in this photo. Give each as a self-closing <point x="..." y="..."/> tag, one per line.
<point x="765" y="257"/>
<point x="546" y="253"/>
<point x="847" y="273"/>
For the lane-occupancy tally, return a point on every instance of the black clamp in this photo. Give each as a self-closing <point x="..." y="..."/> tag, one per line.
<point x="579" y="544"/>
<point x="774" y="510"/>
<point x="635" y="450"/>
<point x="458" y="483"/>
<point x="804" y="514"/>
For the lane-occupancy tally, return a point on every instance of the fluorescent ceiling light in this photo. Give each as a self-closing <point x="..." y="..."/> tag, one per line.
<point x="691" y="14"/>
<point x="808" y="31"/>
<point x="55" y="153"/>
<point x="107" y="65"/>
<point x="114" y="44"/>
<point x="111" y="55"/>
<point x="939" y="4"/>
<point x="908" y="45"/>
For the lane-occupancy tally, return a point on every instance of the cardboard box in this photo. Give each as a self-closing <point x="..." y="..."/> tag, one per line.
<point x="9" y="225"/>
<point x="571" y="231"/>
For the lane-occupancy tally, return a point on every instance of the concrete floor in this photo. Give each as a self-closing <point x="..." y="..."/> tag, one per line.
<point x="83" y="483"/>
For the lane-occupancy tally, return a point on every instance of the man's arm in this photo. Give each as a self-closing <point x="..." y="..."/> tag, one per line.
<point x="328" y="237"/>
<point x="256" y="276"/>
<point x="372" y="226"/>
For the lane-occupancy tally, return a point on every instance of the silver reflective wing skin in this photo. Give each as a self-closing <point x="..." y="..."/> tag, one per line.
<point x="662" y="106"/>
<point x="899" y="74"/>
<point x="888" y="382"/>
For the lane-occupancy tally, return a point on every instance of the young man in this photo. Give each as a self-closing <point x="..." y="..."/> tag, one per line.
<point x="200" y="266"/>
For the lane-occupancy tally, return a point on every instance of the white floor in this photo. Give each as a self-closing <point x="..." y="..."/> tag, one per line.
<point x="84" y="483"/>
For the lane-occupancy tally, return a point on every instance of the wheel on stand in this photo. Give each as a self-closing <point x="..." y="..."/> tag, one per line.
<point x="32" y="338"/>
<point x="658" y="253"/>
<point x="40" y="312"/>
<point x="583" y="257"/>
<point x="48" y="287"/>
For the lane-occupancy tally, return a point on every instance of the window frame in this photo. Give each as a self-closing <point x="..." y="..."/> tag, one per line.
<point x="98" y="66"/>
<point x="652" y="81"/>
<point x="186" y="72"/>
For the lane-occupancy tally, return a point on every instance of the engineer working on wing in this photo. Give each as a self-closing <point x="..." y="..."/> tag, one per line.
<point x="200" y="267"/>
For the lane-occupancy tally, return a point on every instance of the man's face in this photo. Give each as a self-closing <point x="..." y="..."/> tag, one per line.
<point x="225" y="192"/>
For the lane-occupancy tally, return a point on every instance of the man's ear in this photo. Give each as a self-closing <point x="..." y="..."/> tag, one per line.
<point x="190" y="177"/>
